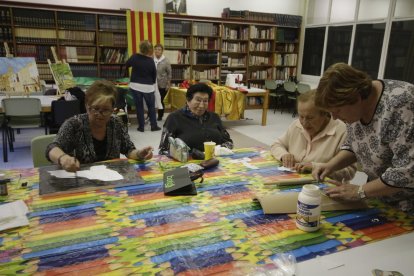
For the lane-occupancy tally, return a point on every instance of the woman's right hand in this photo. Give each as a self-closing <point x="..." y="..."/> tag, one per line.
<point x="288" y="160"/>
<point x="70" y="163"/>
<point x="321" y="171"/>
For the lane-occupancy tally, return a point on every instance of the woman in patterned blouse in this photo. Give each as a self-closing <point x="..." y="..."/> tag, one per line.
<point x="380" y="134"/>
<point x="96" y="135"/>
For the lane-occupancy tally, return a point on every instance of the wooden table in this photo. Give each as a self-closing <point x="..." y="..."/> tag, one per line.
<point x="177" y="99"/>
<point x="137" y="230"/>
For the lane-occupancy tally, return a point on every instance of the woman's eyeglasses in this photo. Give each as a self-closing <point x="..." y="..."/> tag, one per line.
<point x="103" y="112"/>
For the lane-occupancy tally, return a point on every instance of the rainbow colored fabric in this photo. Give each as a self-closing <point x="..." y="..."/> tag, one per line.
<point x="137" y="230"/>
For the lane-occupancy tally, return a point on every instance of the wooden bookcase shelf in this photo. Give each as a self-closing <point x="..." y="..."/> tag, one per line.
<point x="94" y="42"/>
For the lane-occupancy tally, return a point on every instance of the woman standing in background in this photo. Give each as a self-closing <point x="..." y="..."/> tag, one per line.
<point x="142" y="84"/>
<point x="163" y="76"/>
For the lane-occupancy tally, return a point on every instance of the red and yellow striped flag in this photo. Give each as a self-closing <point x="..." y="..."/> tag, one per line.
<point x="144" y="26"/>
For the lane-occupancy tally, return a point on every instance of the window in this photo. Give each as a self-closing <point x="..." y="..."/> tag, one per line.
<point x="373" y="9"/>
<point x="400" y="56"/>
<point x="404" y="8"/>
<point x="367" y="48"/>
<point x="318" y="11"/>
<point x="313" y="50"/>
<point x="339" y="43"/>
<point x="343" y="11"/>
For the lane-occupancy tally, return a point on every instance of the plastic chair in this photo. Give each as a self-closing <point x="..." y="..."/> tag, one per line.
<point x="275" y="93"/>
<point x="292" y="94"/>
<point x="19" y="113"/>
<point x="303" y="87"/>
<point x="62" y="110"/>
<point x="38" y="148"/>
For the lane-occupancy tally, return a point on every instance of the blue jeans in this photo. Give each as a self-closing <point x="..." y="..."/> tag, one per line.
<point x="149" y="98"/>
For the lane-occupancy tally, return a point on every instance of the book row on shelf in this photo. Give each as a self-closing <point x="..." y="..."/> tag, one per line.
<point x="260" y="46"/>
<point x="76" y="37"/>
<point x="6" y="34"/>
<point x="77" y="54"/>
<point x="235" y="47"/>
<point x="258" y="60"/>
<point x="207" y="43"/>
<point x="113" y="39"/>
<point x="111" y="72"/>
<point x="109" y="55"/>
<point x="205" y="57"/>
<point x="206" y="29"/>
<point x="263" y="33"/>
<point x="286" y="59"/>
<point x="41" y="52"/>
<point x="177" y="27"/>
<point x="176" y="42"/>
<point x="233" y="62"/>
<point x="177" y="56"/>
<point x="44" y="71"/>
<point x="180" y="73"/>
<point x="28" y="35"/>
<point x="276" y="18"/>
<point x="261" y="74"/>
<point x="240" y="33"/>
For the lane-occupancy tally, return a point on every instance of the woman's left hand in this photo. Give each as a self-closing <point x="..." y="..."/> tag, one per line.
<point x="145" y="153"/>
<point x="343" y="191"/>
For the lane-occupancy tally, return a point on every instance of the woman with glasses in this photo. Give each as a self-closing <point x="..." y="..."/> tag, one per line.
<point x="194" y="124"/>
<point x="96" y="135"/>
<point x="312" y="139"/>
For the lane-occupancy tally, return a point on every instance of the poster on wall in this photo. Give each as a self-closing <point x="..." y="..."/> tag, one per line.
<point x="19" y="75"/>
<point x="176" y="6"/>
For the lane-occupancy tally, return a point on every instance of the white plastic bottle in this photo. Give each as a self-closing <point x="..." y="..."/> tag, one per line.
<point x="309" y="208"/>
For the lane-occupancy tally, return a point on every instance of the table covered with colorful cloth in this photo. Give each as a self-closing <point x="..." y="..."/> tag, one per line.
<point x="138" y="230"/>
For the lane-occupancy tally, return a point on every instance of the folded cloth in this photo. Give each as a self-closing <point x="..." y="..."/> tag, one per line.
<point x="220" y="151"/>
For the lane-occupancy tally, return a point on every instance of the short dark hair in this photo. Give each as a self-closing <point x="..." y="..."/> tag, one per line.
<point x="198" y="88"/>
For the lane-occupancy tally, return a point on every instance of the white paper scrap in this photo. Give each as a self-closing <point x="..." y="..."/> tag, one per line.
<point x="13" y="215"/>
<point x="99" y="172"/>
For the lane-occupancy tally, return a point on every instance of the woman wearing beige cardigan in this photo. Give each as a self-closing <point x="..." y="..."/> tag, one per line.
<point x="311" y="139"/>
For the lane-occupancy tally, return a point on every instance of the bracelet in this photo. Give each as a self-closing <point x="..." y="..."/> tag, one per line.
<point x="59" y="158"/>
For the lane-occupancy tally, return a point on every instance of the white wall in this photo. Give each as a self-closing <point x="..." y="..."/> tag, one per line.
<point x="212" y="8"/>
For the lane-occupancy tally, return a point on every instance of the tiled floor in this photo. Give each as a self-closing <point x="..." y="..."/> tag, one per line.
<point x="276" y="124"/>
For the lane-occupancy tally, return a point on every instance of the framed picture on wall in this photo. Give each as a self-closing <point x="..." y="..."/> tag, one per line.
<point x="176" y="6"/>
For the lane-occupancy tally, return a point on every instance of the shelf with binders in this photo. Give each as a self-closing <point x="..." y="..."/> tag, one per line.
<point x="76" y="21"/>
<point x="23" y="17"/>
<point x="5" y="16"/>
<point x="112" y="23"/>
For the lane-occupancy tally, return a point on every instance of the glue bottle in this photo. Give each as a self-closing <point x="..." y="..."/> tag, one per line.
<point x="309" y="208"/>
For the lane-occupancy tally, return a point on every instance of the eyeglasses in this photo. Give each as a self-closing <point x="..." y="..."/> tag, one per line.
<point x="103" y="112"/>
<point x="201" y="100"/>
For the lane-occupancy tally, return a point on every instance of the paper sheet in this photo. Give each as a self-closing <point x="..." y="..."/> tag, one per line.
<point x="13" y="215"/>
<point x="100" y="172"/>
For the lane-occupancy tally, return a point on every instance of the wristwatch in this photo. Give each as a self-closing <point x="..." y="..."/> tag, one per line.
<point x="361" y="192"/>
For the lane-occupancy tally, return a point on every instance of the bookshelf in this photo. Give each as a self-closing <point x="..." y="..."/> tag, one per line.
<point x="93" y="42"/>
<point x="211" y="50"/>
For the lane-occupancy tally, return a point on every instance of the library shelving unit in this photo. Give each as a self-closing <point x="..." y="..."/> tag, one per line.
<point x="261" y="47"/>
<point x="286" y="53"/>
<point x="177" y="48"/>
<point x="206" y="51"/>
<point x="93" y="42"/>
<point x="234" y="50"/>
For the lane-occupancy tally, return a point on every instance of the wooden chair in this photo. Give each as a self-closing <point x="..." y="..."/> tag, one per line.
<point x="19" y="113"/>
<point x="38" y="149"/>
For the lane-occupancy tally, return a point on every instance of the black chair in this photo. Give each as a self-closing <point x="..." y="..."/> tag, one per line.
<point x="277" y="93"/>
<point x="62" y="110"/>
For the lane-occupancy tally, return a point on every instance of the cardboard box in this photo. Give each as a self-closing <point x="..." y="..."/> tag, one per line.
<point x="285" y="203"/>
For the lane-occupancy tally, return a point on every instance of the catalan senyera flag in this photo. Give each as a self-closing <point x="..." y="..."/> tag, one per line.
<point x="144" y="26"/>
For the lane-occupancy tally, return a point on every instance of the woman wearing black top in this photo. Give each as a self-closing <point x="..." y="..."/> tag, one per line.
<point x="194" y="124"/>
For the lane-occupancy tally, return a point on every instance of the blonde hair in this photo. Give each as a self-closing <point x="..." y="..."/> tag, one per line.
<point x="101" y="91"/>
<point x="309" y="96"/>
<point x="145" y="47"/>
<point x="340" y="85"/>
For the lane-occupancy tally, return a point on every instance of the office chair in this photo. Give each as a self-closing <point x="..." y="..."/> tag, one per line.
<point x="19" y="113"/>
<point x="38" y="149"/>
<point x="62" y="110"/>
